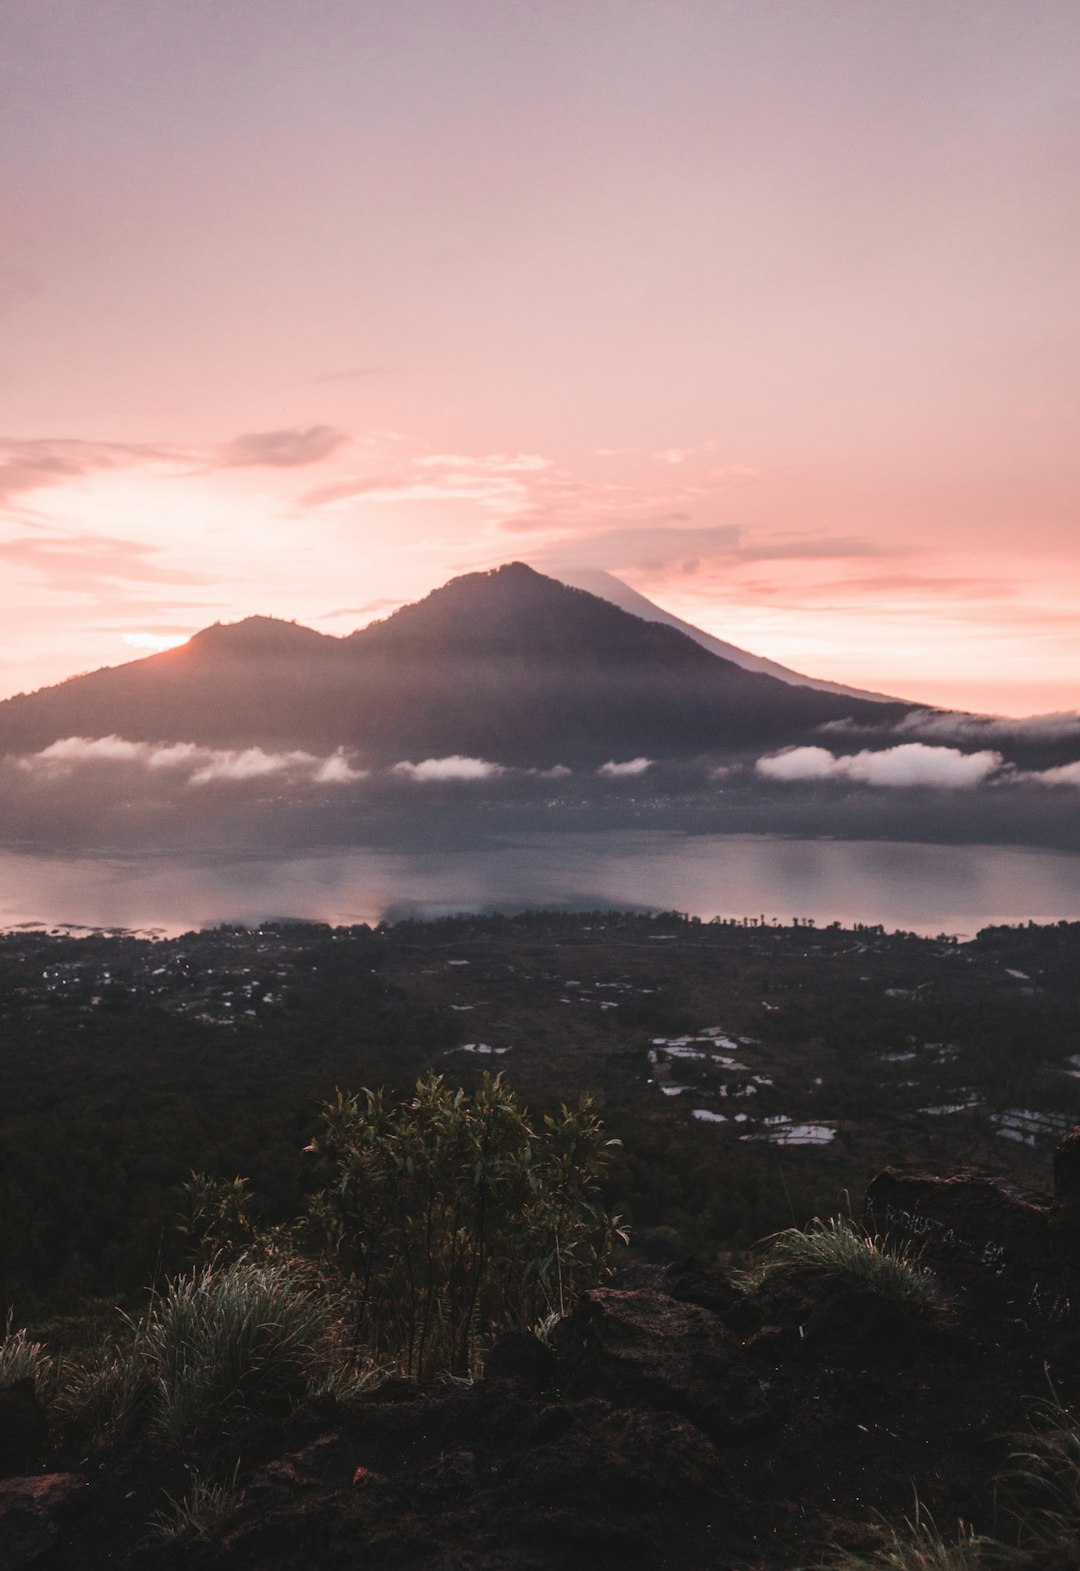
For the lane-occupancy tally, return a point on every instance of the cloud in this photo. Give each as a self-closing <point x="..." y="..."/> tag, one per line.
<point x="1061" y="726"/>
<point x="201" y="765"/>
<point x="491" y="463"/>
<point x="290" y="448"/>
<point x="497" y="481"/>
<point x="455" y="767"/>
<point x="613" y="770"/>
<point x="910" y="764"/>
<point x="250" y="763"/>
<point x="1063" y="775"/>
<point x="72" y="750"/>
<point x="40" y="462"/>
<point x="82" y="561"/>
<point x="646" y="546"/>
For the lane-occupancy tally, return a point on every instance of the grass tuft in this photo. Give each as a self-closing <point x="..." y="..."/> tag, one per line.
<point x="920" y="1546"/>
<point x="1044" y="1474"/>
<point x="197" y="1514"/>
<point x="21" y="1359"/>
<point x="840" y="1248"/>
<point x="230" y="1341"/>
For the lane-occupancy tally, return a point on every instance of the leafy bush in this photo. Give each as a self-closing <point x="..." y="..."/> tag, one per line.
<point x="452" y="1214"/>
<point x="840" y="1247"/>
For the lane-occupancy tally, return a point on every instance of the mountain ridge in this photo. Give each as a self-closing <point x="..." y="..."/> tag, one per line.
<point x="509" y="665"/>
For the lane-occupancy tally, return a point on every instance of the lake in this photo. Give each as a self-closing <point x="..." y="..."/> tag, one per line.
<point x="922" y="888"/>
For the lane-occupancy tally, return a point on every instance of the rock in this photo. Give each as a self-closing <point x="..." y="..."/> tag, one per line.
<point x="620" y="1461"/>
<point x="30" y="1512"/>
<point x="648" y="1350"/>
<point x="522" y="1358"/>
<point x="24" y="1429"/>
<point x="693" y="1281"/>
<point x="963" y="1218"/>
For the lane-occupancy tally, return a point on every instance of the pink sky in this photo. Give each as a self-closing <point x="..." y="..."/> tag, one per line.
<point x="770" y="308"/>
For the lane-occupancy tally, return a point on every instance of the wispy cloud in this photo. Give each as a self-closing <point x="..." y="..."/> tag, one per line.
<point x="1059" y="727"/>
<point x="83" y="561"/>
<point x="289" y="448"/>
<point x="43" y="462"/>
<point x="489" y="463"/>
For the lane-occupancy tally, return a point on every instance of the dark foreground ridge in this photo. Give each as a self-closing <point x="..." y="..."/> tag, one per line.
<point x="683" y="1418"/>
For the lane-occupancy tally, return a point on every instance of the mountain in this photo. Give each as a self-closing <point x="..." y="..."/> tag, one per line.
<point x="508" y="665"/>
<point x="607" y="587"/>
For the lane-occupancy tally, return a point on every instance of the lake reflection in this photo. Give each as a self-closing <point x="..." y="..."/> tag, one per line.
<point x="924" y="888"/>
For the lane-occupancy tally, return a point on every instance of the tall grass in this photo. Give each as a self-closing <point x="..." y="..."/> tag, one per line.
<point x="1044" y="1473"/>
<point x="228" y="1342"/>
<point x="231" y="1341"/>
<point x="921" y="1547"/>
<point x="839" y="1248"/>
<point x="21" y="1359"/>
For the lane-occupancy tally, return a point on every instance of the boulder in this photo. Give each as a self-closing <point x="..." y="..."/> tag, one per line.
<point x="30" y="1512"/>
<point x="648" y="1350"/>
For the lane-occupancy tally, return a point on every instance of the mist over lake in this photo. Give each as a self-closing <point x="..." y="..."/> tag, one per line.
<point x="917" y="887"/>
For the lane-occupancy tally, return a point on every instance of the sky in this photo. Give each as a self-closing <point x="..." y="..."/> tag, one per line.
<point x="769" y="307"/>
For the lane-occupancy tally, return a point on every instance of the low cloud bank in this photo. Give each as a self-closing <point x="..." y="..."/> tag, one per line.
<point x="910" y="764"/>
<point x="201" y="765"/>
<point x="1061" y="726"/>
<point x="614" y="770"/>
<point x="458" y="767"/>
<point x="455" y="767"/>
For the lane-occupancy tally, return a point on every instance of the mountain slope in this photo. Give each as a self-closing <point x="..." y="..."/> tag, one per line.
<point x="607" y="587"/>
<point x="508" y="665"/>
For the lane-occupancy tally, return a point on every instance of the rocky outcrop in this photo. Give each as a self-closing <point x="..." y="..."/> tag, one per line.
<point x="988" y="1233"/>
<point x="646" y="1350"/>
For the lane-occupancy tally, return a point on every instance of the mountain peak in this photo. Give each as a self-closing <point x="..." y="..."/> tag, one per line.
<point x="258" y="637"/>
<point x="515" y="612"/>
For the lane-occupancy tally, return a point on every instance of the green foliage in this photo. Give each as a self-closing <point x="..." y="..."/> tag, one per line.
<point x="216" y="1216"/>
<point x="840" y="1247"/>
<point x="22" y="1359"/>
<point x="452" y="1214"/>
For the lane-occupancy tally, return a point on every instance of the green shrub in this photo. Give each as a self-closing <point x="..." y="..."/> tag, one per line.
<point x="452" y="1214"/>
<point x="839" y="1248"/>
